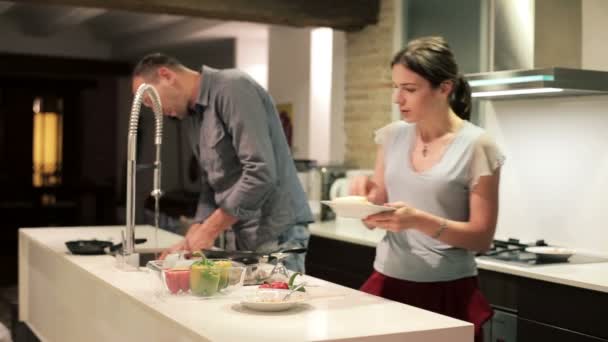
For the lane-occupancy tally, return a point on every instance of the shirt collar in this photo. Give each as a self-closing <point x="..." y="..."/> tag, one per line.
<point x="204" y="92"/>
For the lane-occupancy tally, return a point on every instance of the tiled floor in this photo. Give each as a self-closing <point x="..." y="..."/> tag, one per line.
<point x="5" y="310"/>
<point x="22" y="333"/>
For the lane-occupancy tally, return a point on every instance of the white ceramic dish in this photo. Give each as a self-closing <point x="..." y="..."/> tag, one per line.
<point x="355" y="209"/>
<point x="548" y="252"/>
<point x="272" y="300"/>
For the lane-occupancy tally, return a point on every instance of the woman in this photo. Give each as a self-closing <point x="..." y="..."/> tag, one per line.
<point x="441" y="173"/>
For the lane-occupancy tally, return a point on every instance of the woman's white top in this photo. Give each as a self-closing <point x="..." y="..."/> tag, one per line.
<point x="442" y="190"/>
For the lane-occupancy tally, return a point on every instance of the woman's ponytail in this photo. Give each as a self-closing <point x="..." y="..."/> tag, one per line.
<point x="460" y="101"/>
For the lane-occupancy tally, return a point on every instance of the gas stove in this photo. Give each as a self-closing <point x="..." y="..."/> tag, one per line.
<point x="513" y="251"/>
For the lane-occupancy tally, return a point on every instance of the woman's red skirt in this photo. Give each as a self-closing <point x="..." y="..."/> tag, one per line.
<point x="459" y="298"/>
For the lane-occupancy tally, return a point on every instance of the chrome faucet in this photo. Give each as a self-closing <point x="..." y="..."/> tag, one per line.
<point x="142" y="91"/>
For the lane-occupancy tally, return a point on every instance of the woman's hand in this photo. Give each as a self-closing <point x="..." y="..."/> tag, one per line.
<point x="403" y="218"/>
<point x="364" y="186"/>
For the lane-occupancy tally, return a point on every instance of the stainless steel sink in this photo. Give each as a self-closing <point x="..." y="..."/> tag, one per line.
<point x="145" y="257"/>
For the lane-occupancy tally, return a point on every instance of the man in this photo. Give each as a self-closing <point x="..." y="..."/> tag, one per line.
<point x="251" y="195"/>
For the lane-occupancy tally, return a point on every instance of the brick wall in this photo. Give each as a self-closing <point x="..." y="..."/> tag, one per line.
<point x="368" y="85"/>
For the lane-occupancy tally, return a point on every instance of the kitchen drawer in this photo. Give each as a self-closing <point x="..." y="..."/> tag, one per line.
<point x="567" y="307"/>
<point x="531" y="331"/>
<point x="500" y="289"/>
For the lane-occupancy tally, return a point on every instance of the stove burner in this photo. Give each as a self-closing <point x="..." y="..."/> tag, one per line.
<point x="513" y="251"/>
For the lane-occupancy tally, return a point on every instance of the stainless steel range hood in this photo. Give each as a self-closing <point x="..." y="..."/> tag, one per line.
<point x="535" y="50"/>
<point x="538" y="83"/>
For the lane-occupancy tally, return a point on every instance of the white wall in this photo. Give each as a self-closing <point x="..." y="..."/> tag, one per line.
<point x="595" y="25"/>
<point x="289" y="79"/>
<point x="252" y="58"/>
<point x="337" y="144"/>
<point x="554" y="184"/>
<point x="327" y="82"/>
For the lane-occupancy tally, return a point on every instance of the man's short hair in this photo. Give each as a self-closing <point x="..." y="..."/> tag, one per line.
<point x="148" y="65"/>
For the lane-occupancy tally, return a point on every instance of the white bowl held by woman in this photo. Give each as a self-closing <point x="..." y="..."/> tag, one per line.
<point x="355" y="207"/>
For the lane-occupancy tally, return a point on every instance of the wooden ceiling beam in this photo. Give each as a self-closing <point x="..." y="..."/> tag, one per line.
<point x="346" y="15"/>
<point x="5" y="6"/>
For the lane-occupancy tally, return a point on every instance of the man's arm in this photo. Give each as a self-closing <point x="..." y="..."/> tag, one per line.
<point x="205" y="208"/>
<point x="243" y="112"/>
<point x="203" y="235"/>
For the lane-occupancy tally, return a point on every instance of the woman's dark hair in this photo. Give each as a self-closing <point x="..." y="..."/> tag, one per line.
<point x="147" y="66"/>
<point x="432" y="58"/>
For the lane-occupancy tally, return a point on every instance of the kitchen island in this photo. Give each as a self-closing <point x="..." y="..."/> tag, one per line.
<point x="66" y="297"/>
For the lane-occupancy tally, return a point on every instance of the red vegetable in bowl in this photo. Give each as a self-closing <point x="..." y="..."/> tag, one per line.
<point x="177" y="279"/>
<point x="275" y="285"/>
<point x="279" y="285"/>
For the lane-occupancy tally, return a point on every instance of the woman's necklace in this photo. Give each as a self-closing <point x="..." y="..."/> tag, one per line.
<point x="425" y="145"/>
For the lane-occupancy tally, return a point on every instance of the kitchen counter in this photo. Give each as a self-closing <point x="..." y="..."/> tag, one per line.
<point x="592" y="276"/>
<point x="66" y="297"/>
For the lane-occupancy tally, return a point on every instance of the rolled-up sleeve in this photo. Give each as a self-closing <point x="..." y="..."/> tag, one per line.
<point x="244" y="113"/>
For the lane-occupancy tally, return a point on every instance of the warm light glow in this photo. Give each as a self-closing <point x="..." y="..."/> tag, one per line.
<point x="321" y="73"/>
<point x="47" y="147"/>
<point x="515" y="92"/>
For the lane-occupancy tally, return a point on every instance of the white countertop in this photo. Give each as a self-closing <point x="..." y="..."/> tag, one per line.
<point x="66" y="297"/>
<point x="592" y="276"/>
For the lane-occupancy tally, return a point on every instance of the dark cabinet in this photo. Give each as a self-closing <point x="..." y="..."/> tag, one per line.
<point x="340" y="262"/>
<point x="547" y="311"/>
<point x="534" y="331"/>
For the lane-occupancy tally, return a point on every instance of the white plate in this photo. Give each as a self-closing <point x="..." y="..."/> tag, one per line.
<point x="355" y="210"/>
<point x="271" y="300"/>
<point x="549" y="253"/>
<point x="550" y="250"/>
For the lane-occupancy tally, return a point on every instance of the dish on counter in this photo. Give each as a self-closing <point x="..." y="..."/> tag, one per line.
<point x="355" y="207"/>
<point x="268" y="299"/>
<point x="551" y="253"/>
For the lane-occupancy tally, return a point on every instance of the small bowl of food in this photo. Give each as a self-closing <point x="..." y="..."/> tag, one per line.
<point x="273" y="299"/>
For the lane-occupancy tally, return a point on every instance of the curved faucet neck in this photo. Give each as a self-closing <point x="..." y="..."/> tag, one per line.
<point x="143" y="90"/>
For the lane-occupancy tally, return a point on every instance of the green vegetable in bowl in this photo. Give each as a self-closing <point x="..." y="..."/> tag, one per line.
<point x="204" y="278"/>
<point x="223" y="267"/>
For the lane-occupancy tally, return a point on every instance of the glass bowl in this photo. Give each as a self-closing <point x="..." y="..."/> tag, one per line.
<point x="202" y="278"/>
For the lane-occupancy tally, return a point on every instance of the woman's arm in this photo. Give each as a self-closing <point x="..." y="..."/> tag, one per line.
<point x="475" y="234"/>
<point x="478" y="232"/>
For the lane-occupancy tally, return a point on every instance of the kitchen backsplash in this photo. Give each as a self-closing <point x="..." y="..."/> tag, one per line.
<point x="554" y="184"/>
